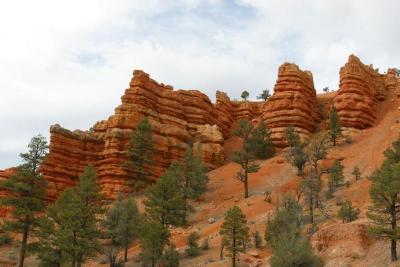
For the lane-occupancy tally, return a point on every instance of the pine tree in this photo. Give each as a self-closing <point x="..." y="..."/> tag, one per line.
<point x="335" y="176"/>
<point x="153" y="237"/>
<point x="357" y="173"/>
<point x="311" y="187"/>
<point x="170" y="258"/>
<point x="245" y="157"/>
<point x="193" y="246"/>
<point x="164" y="201"/>
<point x="28" y="190"/>
<point x="140" y="152"/>
<point x="264" y="95"/>
<point x="347" y="212"/>
<point x="316" y="151"/>
<point x="283" y="234"/>
<point x="113" y="232"/>
<point x="335" y="130"/>
<point x="261" y="142"/>
<point x="296" y="152"/>
<point x="194" y="178"/>
<point x="129" y="226"/>
<point x="244" y="95"/>
<point x="73" y="221"/>
<point x="235" y="232"/>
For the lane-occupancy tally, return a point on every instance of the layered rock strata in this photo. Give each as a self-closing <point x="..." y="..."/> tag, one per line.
<point x="294" y="103"/>
<point x="361" y="88"/>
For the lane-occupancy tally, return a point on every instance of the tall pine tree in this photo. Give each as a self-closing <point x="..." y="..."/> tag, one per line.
<point x="140" y="152"/>
<point x="384" y="193"/>
<point x="28" y="191"/>
<point x="164" y="201"/>
<point x="235" y="232"/>
<point x="296" y="152"/>
<point x="245" y="157"/>
<point x="335" y="130"/>
<point x="129" y="224"/>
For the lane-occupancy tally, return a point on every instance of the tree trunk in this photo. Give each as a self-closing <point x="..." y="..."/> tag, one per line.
<point x="311" y="207"/>
<point x="23" y="245"/>
<point x="126" y="252"/>
<point x="233" y="247"/>
<point x="393" y="250"/>
<point x="246" y="187"/>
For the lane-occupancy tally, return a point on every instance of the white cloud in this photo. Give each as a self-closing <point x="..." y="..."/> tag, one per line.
<point x="69" y="62"/>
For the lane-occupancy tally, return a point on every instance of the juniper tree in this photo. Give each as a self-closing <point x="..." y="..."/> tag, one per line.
<point x="244" y="95"/>
<point x="235" y="232"/>
<point x="153" y="236"/>
<point x="264" y="95"/>
<point x="335" y="130"/>
<point x="347" y="212"/>
<point x="194" y="178"/>
<point x="170" y="258"/>
<point x="284" y="235"/>
<point x="261" y="142"/>
<point x="164" y="201"/>
<point x="316" y="151"/>
<point x="74" y="218"/>
<point x="296" y="152"/>
<point x="140" y="152"/>
<point x="27" y="193"/>
<point x="245" y="157"/>
<point x="326" y="89"/>
<point x="311" y="187"/>
<point x="335" y="176"/>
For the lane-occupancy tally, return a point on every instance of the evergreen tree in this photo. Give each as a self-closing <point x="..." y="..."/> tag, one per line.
<point x="170" y="257"/>
<point x="153" y="237"/>
<point x="316" y="151"/>
<point x="261" y="142"/>
<point x="257" y="239"/>
<point x="245" y="157"/>
<point x="283" y="234"/>
<point x="235" y="232"/>
<point x="311" y="187"/>
<point x="140" y="152"/>
<point x="335" y="130"/>
<point x="244" y="95"/>
<point x="296" y="152"/>
<point x="264" y="95"/>
<point x="164" y="201"/>
<point x="193" y="246"/>
<point x="326" y="89"/>
<point x="28" y="190"/>
<point x="357" y="173"/>
<point x="129" y="225"/>
<point x="335" y="176"/>
<point x="347" y="212"/>
<point x="194" y="177"/>
<point x="70" y="231"/>
<point x="113" y="232"/>
<point x="384" y="192"/>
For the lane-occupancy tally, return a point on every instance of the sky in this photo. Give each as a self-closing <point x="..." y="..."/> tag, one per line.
<point x="69" y="61"/>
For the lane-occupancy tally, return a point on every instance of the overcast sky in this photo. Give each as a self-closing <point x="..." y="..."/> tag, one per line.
<point x="69" y="61"/>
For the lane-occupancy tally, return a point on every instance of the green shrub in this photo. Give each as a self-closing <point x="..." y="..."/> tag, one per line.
<point x="193" y="247"/>
<point x="5" y="239"/>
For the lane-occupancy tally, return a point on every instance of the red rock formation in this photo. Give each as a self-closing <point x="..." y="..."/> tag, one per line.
<point x="360" y="89"/>
<point x="392" y="81"/>
<point x="294" y="102"/>
<point x="5" y="174"/>
<point x="178" y="117"/>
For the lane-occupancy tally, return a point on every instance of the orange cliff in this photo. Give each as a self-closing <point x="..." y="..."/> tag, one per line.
<point x="178" y="118"/>
<point x="360" y="90"/>
<point x="294" y="103"/>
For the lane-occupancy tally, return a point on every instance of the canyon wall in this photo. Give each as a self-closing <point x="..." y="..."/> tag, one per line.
<point x="294" y="103"/>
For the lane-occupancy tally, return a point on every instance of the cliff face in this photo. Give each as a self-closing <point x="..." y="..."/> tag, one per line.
<point x="360" y="89"/>
<point x="178" y="117"/>
<point x="294" y="102"/>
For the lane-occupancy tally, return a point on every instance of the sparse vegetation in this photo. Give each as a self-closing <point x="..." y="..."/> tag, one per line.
<point x="326" y="89"/>
<point x="356" y="172"/>
<point x="245" y="94"/>
<point x="335" y="130"/>
<point x="296" y="153"/>
<point x="264" y="95"/>
<point x="192" y="245"/>
<point x="335" y="176"/>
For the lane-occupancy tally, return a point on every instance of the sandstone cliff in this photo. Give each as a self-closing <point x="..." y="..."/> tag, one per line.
<point x="294" y="103"/>
<point x="360" y="89"/>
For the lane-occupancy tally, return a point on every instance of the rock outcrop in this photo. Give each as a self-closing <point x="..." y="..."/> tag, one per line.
<point x="178" y="118"/>
<point x="294" y="103"/>
<point x="5" y="174"/>
<point x="361" y="88"/>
